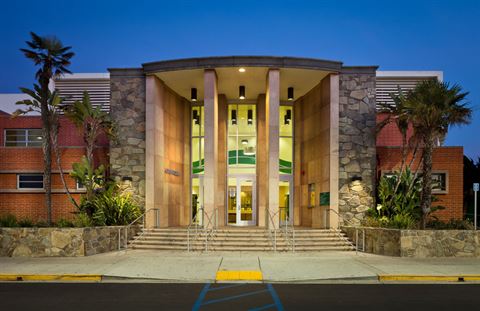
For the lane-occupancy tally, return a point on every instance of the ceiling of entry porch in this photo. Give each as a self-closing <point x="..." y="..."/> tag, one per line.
<point x="253" y="78"/>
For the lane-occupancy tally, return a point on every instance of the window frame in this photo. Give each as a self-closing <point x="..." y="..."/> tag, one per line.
<point x="30" y="174"/>
<point x="26" y="141"/>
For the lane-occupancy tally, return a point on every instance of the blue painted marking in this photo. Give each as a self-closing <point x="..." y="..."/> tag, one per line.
<point x="225" y="286"/>
<point x="200" y="298"/>
<point x="265" y="307"/>
<point x="275" y="297"/>
<point x="235" y="297"/>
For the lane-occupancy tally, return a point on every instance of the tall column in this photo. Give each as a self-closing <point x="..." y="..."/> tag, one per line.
<point x="211" y="143"/>
<point x="155" y="152"/>
<point x="272" y="116"/>
<point x="334" y="149"/>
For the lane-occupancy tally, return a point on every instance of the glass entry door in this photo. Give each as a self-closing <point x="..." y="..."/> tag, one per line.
<point x="241" y="201"/>
<point x="197" y="200"/>
<point x="285" y="200"/>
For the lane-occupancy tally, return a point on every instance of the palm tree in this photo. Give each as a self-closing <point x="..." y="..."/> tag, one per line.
<point x="91" y="121"/>
<point x="433" y="107"/>
<point x="53" y="59"/>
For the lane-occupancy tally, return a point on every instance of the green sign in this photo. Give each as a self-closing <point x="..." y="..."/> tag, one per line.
<point x="324" y="198"/>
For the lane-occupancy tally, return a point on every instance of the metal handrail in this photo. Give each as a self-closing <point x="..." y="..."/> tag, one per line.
<point x="194" y="222"/>
<point x="273" y="237"/>
<point x="356" y="231"/>
<point x="127" y="227"/>
<point x="289" y="241"/>
<point x="210" y="231"/>
<point x="207" y="230"/>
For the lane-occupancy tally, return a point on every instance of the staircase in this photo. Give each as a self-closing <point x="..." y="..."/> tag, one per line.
<point x="242" y="239"/>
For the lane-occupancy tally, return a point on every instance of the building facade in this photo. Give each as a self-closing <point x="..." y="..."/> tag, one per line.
<point x="252" y="141"/>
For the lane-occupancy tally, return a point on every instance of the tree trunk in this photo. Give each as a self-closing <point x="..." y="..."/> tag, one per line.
<point x="426" y="199"/>
<point x="47" y="159"/>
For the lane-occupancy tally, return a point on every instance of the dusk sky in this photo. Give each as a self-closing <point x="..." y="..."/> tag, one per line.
<point x="395" y="35"/>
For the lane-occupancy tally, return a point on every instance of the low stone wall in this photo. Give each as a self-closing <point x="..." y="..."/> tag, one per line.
<point x="62" y="242"/>
<point x="418" y="243"/>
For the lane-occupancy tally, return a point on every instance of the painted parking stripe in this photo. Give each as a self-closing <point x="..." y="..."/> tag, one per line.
<point x="207" y="288"/>
<point x="241" y="275"/>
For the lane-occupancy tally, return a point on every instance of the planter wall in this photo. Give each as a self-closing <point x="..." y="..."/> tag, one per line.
<point x="418" y="243"/>
<point x="62" y="242"/>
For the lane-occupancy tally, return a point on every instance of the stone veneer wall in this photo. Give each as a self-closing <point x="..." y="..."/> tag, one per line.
<point x="357" y="152"/>
<point x="62" y="242"/>
<point x="127" y="108"/>
<point x="419" y="243"/>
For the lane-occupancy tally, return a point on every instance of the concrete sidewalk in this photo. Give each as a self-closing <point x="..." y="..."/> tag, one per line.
<point x="203" y="267"/>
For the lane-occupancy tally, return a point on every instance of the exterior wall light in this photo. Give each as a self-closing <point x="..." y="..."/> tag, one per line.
<point x="234" y="117"/>
<point x="193" y="94"/>
<point x="290" y="93"/>
<point x="241" y="92"/>
<point x="250" y="116"/>
<point x="241" y="69"/>
<point x="356" y="178"/>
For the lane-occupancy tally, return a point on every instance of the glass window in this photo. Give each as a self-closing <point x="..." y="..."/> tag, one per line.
<point x="30" y="181"/>
<point x="286" y="140"/>
<point x="242" y="138"/>
<point x="23" y="137"/>
<point x="439" y="182"/>
<point x="197" y="144"/>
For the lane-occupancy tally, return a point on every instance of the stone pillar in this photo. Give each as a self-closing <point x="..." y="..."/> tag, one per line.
<point x="272" y="106"/>
<point x="210" y="180"/>
<point x="357" y="146"/>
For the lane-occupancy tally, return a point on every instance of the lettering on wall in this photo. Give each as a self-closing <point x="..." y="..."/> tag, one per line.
<point x="172" y="172"/>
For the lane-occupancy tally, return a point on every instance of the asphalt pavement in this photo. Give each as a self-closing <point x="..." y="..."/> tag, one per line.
<point x="237" y="296"/>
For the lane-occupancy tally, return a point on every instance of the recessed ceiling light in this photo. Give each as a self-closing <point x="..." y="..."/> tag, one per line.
<point x="241" y="69"/>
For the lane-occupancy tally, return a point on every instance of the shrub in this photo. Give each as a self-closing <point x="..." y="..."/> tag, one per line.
<point x="112" y="208"/>
<point x="41" y="224"/>
<point x="8" y="220"/>
<point x="403" y="221"/>
<point x="26" y="223"/>
<point x="452" y="224"/>
<point x="64" y="223"/>
<point x="83" y="220"/>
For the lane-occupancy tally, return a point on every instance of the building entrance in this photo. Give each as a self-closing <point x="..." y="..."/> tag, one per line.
<point x="241" y="207"/>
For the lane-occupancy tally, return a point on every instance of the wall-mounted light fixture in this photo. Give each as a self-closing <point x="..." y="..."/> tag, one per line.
<point x="250" y="116"/>
<point x="234" y="117"/>
<point x="241" y="92"/>
<point x="290" y="93"/>
<point x="193" y="94"/>
<point x="196" y="117"/>
<point x="244" y="141"/>
<point x="288" y="117"/>
<point x="356" y="178"/>
<point x="241" y="69"/>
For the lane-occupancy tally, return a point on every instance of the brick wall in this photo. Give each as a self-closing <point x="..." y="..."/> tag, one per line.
<point x="13" y="160"/>
<point x="390" y="135"/>
<point x="445" y="159"/>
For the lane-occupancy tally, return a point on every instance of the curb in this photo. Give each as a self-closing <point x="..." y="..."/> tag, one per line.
<point x="428" y="278"/>
<point x="51" y="277"/>
<point x="242" y="275"/>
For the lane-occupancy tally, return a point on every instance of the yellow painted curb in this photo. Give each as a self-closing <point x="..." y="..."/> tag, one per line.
<point x="239" y="275"/>
<point x="51" y="277"/>
<point x="429" y="278"/>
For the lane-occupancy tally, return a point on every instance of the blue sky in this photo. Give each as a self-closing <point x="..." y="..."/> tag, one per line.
<point x="396" y="35"/>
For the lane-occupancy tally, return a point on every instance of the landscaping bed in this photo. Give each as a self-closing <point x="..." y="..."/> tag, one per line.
<point x="417" y="243"/>
<point x="63" y="242"/>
